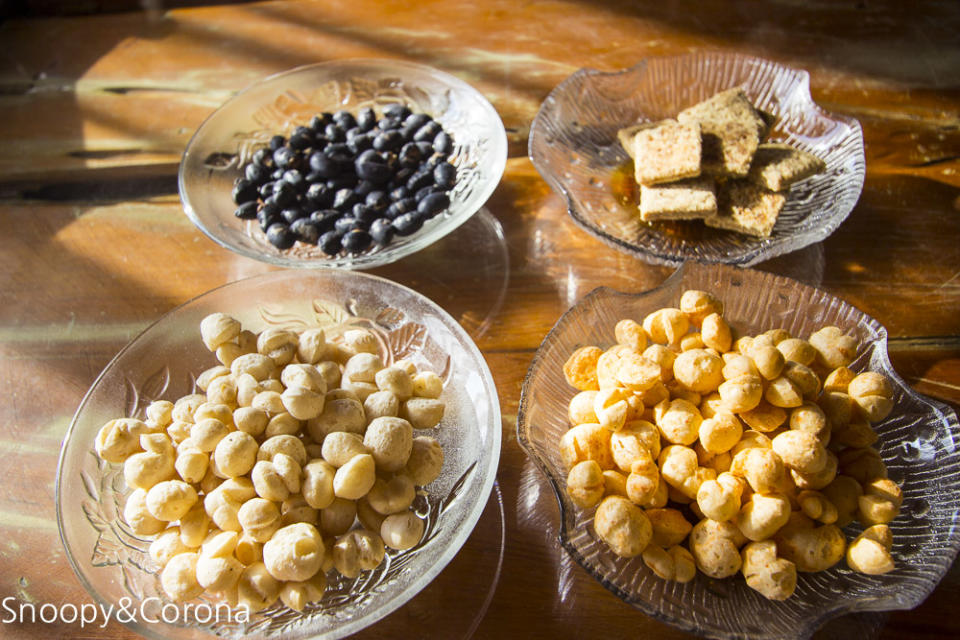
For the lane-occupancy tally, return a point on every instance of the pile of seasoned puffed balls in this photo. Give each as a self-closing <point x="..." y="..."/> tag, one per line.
<point x="252" y="488"/>
<point x="764" y="441"/>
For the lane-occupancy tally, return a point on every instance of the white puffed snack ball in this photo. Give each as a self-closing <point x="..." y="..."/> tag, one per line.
<point x="303" y="375"/>
<point x="425" y="461"/>
<point x="317" y="483"/>
<point x="179" y="577"/>
<point x="360" y="341"/>
<point x="391" y="496"/>
<point x="394" y="379"/>
<point x="389" y="441"/>
<point x="235" y="454"/>
<point x="311" y="345"/>
<point x="422" y="413"/>
<point x="295" y="552"/>
<point x="259" y="518"/>
<point x="355" y="478"/>
<point x="170" y="500"/>
<point x="118" y="439"/>
<point x="167" y="545"/>
<point x="363" y="367"/>
<point x="218" y="573"/>
<point x="217" y="328"/>
<point x="339" y="414"/>
<point x="136" y="514"/>
<point x="427" y="384"/>
<point x="256" y="588"/>
<point x="286" y="444"/>
<point x="298" y="595"/>
<point x="357" y="551"/>
<point x="381" y="403"/>
<point x="402" y="530"/>
<point x="194" y="525"/>
<point x="303" y="403"/>
<point x="153" y="465"/>
<point x="340" y="446"/>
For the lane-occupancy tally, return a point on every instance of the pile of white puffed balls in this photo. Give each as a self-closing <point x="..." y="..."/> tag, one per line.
<point x="252" y="488"/>
<point x="754" y="450"/>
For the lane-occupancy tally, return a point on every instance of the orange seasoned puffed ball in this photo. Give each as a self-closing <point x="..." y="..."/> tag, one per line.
<point x="623" y="526"/>
<point x="699" y="370"/>
<point x="630" y="333"/>
<point x="697" y="305"/>
<point x="666" y="326"/>
<point x="580" y="369"/>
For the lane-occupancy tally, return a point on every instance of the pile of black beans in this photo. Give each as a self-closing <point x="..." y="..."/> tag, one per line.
<point x="349" y="182"/>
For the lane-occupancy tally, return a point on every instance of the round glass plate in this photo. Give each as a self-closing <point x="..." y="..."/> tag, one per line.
<point x="163" y="362"/>
<point x="281" y="102"/>
<point x="918" y="442"/>
<point x="573" y="144"/>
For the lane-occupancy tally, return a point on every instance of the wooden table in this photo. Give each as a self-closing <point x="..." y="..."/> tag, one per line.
<point x="95" y="111"/>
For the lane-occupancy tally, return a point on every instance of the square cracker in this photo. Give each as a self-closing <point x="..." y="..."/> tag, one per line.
<point x="732" y="128"/>
<point x="746" y="208"/>
<point x="666" y="151"/>
<point x="776" y="166"/>
<point x="688" y="199"/>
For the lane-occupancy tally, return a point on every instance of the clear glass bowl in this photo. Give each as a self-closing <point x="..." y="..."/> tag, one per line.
<point x="163" y="362"/>
<point x="573" y="144"/>
<point x="918" y="442"/>
<point x="281" y="102"/>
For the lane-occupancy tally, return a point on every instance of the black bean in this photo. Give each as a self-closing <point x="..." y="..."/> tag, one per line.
<point x="395" y="210"/>
<point x="319" y="195"/>
<point x="247" y="211"/>
<point x="366" y="119"/>
<point x="427" y="132"/>
<point x="339" y="151"/>
<point x="284" y="193"/>
<point x="363" y="188"/>
<point x="426" y="148"/>
<point x="356" y="241"/>
<point x="382" y="231"/>
<point x="325" y="218"/>
<point x="424" y="192"/>
<point x="433" y="204"/>
<point x="422" y="178"/>
<point x="294" y="178"/>
<point x="443" y="143"/>
<point x="372" y="166"/>
<point x="399" y="193"/>
<point x="444" y="175"/>
<point x="320" y="121"/>
<point x="284" y="158"/>
<point x="416" y="120"/>
<point x="280" y="236"/>
<point x="334" y="133"/>
<point x="263" y="158"/>
<point x="266" y="218"/>
<point x="305" y="230"/>
<point x="244" y="191"/>
<point x="410" y="155"/>
<point x="388" y="141"/>
<point x="277" y="174"/>
<point x="292" y="213"/>
<point x="346" y="224"/>
<point x="313" y="177"/>
<point x="330" y="243"/>
<point x="257" y="174"/>
<point x="301" y="138"/>
<point x="388" y="124"/>
<point x="408" y="131"/>
<point x="266" y="189"/>
<point x="269" y="208"/>
<point x="365" y="213"/>
<point x="344" y="199"/>
<point x="396" y="110"/>
<point x="345" y="119"/>
<point x="407" y="223"/>
<point x="377" y="200"/>
<point x="276" y="142"/>
<point x="324" y="165"/>
<point x="360" y="143"/>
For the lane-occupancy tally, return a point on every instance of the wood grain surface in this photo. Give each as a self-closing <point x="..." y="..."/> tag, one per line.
<point x="96" y="109"/>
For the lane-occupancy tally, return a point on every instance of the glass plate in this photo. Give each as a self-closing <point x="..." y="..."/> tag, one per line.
<point x="163" y="362"/>
<point x="918" y="442"/>
<point x="573" y="144"/>
<point x="279" y="103"/>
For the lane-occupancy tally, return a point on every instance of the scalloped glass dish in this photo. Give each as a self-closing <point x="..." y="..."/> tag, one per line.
<point x="163" y="362"/>
<point x="919" y="442"/>
<point x="573" y="144"/>
<point x="278" y="103"/>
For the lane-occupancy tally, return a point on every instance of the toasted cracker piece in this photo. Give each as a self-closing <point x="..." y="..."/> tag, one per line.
<point x="666" y="151"/>
<point x="746" y="208"/>
<point x="776" y="166"/>
<point x="682" y="200"/>
<point x="626" y="135"/>
<point x="731" y="127"/>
